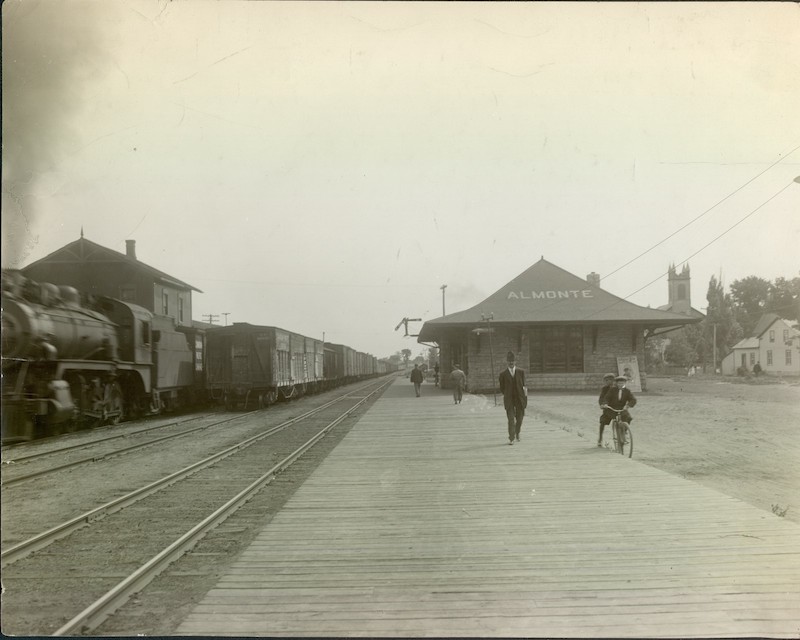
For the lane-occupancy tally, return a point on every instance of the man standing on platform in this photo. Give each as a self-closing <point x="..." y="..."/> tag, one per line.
<point x="515" y="396"/>
<point x="459" y="380"/>
<point x="416" y="378"/>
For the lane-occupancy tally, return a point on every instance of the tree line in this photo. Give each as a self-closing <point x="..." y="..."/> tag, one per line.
<point x="729" y="317"/>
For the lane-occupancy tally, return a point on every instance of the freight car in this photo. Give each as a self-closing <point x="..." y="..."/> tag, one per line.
<point x="69" y="362"/>
<point x="254" y="366"/>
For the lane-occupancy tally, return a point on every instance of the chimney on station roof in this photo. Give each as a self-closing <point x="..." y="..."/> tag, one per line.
<point x="130" y="249"/>
<point x="593" y="279"/>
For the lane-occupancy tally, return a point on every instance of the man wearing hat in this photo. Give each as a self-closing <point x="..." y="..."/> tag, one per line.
<point x="621" y="397"/>
<point x="459" y="380"/>
<point x="515" y="396"/>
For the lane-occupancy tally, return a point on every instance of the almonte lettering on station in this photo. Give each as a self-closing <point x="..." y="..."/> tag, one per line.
<point x="552" y="295"/>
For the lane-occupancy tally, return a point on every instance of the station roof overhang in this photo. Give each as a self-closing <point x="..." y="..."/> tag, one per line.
<point x="545" y="294"/>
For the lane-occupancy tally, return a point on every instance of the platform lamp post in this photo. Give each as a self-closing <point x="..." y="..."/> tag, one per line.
<point x="443" y="287"/>
<point x="489" y="330"/>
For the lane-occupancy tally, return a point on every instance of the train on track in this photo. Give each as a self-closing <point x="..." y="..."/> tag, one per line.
<point x="71" y="361"/>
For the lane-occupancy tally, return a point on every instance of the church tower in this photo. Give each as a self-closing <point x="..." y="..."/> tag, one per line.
<point x="680" y="292"/>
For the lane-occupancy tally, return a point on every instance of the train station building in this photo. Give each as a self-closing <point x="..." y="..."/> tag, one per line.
<point x="565" y="331"/>
<point x="97" y="270"/>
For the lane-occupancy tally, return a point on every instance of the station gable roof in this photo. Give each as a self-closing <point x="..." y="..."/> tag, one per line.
<point x="88" y="252"/>
<point x="547" y="294"/>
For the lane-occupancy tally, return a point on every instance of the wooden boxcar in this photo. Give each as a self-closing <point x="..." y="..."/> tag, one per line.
<point x="256" y="365"/>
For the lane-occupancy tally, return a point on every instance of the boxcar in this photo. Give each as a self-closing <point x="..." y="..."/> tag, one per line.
<point x="256" y="365"/>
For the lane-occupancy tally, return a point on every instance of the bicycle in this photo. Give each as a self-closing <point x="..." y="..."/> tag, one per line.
<point x="621" y="433"/>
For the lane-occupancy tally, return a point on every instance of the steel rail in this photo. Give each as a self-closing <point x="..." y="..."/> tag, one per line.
<point x="42" y="454"/>
<point x="44" y="539"/>
<point x="111" y="454"/>
<point x="94" y="615"/>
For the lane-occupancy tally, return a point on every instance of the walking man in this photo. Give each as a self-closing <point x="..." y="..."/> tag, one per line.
<point x="515" y="396"/>
<point x="459" y="380"/>
<point x="416" y="378"/>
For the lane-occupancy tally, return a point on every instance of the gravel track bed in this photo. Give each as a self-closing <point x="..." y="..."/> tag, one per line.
<point x="92" y="452"/>
<point x="49" y="587"/>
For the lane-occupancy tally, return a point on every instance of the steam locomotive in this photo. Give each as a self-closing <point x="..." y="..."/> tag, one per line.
<point x="70" y="361"/>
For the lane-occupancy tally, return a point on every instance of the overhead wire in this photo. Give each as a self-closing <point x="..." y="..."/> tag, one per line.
<point x="731" y="194"/>
<point x="781" y="159"/>
<point x="705" y="246"/>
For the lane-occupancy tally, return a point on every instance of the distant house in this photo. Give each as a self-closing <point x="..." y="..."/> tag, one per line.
<point x="774" y="345"/>
<point x="566" y="332"/>
<point x="94" y="269"/>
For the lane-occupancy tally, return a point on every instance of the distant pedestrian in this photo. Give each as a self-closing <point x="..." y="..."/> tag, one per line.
<point x="459" y="380"/>
<point x="416" y="378"/>
<point x="757" y="369"/>
<point x="436" y="374"/>
<point x="515" y="396"/>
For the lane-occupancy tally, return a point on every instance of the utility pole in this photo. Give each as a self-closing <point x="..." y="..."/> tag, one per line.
<point x="715" y="348"/>
<point x="210" y="317"/>
<point x="226" y="318"/>
<point x="443" y="287"/>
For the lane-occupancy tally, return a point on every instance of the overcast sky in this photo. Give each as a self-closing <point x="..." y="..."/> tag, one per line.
<point x="326" y="167"/>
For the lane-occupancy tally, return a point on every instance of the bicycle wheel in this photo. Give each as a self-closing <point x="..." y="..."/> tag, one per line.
<point x="626" y="439"/>
<point x="615" y="435"/>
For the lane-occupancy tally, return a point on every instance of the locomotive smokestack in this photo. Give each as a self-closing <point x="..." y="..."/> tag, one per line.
<point x="130" y="249"/>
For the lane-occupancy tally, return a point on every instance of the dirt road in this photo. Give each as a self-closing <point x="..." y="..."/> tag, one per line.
<point x="740" y="438"/>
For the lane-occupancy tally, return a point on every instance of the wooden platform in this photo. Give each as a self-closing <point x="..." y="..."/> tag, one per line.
<point x="424" y="522"/>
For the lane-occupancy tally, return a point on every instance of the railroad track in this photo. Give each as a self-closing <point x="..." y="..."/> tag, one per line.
<point x="213" y="487"/>
<point x="15" y="473"/>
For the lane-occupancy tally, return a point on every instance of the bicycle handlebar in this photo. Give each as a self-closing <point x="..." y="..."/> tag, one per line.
<point x="605" y="406"/>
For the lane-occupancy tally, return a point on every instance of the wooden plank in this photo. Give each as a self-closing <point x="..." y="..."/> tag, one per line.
<point x="424" y="522"/>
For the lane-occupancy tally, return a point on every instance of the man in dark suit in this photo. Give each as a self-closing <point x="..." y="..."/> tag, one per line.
<point x="515" y="396"/>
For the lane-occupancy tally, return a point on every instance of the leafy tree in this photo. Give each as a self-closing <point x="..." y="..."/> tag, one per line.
<point x="679" y="351"/>
<point x="720" y="322"/>
<point x="654" y="349"/>
<point x="784" y="298"/>
<point x="406" y="355"/>
<point x="750" y="297"/>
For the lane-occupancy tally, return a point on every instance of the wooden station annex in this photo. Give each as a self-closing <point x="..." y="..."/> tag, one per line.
<point x="566" y="332"/>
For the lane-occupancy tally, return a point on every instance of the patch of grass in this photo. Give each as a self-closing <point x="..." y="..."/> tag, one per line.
<point x="779" y="511"/>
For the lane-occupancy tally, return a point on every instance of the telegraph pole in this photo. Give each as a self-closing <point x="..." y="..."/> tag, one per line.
<point x="443" y="287"/>
<point x="210" y="317"/>
<point x="226" y="318"/>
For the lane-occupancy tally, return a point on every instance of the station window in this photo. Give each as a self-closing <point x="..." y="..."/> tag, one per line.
<point x="752" y="359"/>
<point x="772" y="335"/>
<point x="180" y="308"/>
<point x="786" y="335"/>
<point x="769" y="356"/>
<point x="165" y="303"/>
<point x="127" y="293"/>
<point x="556" y="349"/>
<point x="788" y="356"/>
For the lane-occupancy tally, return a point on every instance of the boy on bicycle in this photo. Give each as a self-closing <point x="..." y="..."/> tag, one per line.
<point x="620" y="397"/>
<point x="606" y="416"/>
